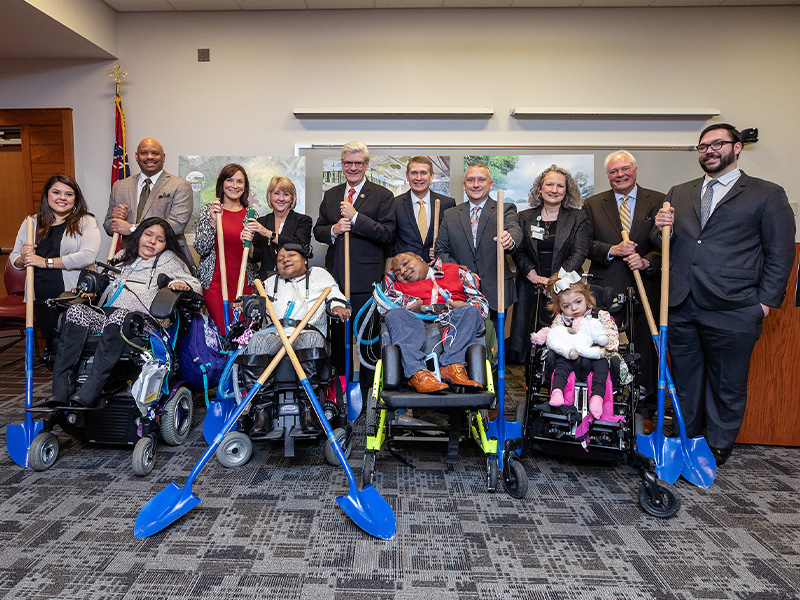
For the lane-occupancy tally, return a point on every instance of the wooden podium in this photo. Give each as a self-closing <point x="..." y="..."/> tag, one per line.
<point x="773" y="390"/>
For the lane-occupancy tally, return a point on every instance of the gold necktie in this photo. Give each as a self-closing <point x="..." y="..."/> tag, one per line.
<point x="625" y="214"/>
<point x="422" y="221"/>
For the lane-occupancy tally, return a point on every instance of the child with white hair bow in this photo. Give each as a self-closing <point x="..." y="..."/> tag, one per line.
<point x="579" y="336"/>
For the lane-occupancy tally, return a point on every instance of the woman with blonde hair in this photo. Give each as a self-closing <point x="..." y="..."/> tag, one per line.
<point x="282" y="226"/>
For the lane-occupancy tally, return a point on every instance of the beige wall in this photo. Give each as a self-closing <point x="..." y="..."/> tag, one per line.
<point x="746" y="61"/>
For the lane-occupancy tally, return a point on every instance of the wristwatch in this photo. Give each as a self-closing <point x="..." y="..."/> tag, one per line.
<point x="49" y="263"/>
<point x="132" y="228"/>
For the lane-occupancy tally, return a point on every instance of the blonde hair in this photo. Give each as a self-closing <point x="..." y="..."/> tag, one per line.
<point x="580" y="287"/>
<point x="283" y="184"/>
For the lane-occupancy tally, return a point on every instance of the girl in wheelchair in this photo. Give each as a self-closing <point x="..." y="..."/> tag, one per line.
<point x="580" y="338"/>
<point x="149" y="257"/>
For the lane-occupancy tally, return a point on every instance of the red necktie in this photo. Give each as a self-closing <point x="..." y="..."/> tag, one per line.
<point x="350" y="195"/>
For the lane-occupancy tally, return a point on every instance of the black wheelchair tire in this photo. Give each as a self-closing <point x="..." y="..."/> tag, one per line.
<point x="143" y="459"/>
<point x="176" y="419"/>
<point x="43" y="451"/>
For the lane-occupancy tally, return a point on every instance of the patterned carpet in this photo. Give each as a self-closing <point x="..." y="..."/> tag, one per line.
<point x="272" y="529"/>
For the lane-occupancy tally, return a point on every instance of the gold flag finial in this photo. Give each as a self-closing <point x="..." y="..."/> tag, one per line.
<point x="117" y="74"/>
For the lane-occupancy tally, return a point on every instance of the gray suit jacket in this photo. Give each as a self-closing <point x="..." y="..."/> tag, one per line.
<point x="744" y="254"/>
<point x="454" y="245"/>
<point x="171" y="199"/>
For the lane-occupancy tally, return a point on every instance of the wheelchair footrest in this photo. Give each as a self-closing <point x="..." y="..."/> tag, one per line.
<point x="446" y="399"/>
<point x="297" y="432"/>
<point x="275" y="434"/>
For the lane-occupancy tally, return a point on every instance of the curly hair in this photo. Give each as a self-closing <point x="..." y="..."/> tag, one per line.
<point x="572" y="198"/>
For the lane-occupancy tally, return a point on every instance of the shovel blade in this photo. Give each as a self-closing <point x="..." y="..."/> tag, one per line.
<point x="163" y="509"/>
<point x="699" y="466"/>
<point x="370" y="512"/>
<point x="219" y="411"/>
<point x="19" y="439"/>
<point x="665" y="451"/>
<point x="354" y="401"/>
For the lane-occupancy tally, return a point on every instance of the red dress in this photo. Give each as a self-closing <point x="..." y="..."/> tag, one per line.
<point x="231" y="230"/>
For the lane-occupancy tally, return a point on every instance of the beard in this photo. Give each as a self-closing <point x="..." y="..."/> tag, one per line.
<point x="725" y="160"/>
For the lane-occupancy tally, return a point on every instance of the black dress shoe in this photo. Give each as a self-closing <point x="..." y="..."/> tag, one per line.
<point x="53" y="402"/>
<point x="721" y="454"/>
<point x="77" y="400"/>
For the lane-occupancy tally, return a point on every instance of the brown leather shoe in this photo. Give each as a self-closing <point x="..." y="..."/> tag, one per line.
<point x="457" y="375"/>
<point x="425" y="382"/>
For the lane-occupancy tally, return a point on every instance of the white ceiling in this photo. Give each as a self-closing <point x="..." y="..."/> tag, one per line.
<point x="210" y="5"/>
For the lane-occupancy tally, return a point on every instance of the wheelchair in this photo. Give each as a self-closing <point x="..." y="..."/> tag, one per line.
<point x="280" y="409"/>
<point x="143" y="400"/>
<point x="388" y="422"/>
<point x="569" y="431"/>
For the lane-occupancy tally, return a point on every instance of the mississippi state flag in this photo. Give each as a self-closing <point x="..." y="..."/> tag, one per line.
<point x="120" y="169"/>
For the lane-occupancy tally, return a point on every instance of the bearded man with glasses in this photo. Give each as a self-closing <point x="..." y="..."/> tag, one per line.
<point x="732" y="248"/>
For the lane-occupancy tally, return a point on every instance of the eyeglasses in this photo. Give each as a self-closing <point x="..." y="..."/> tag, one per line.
<point x="715" y="145"/>
<point x="353" y="163"/>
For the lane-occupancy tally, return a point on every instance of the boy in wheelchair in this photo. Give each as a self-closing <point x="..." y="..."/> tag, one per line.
<point x="292" y="291"/>
<point x="446" y="289"/>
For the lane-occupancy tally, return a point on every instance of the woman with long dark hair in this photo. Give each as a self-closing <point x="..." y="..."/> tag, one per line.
<point x="152" y="251"/>
<point x="230" y="206"/>
<point x="67" y="239"/>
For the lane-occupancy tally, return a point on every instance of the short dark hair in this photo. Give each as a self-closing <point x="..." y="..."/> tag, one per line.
<point x="229" y="171"/>
<point x="735" y="135"/>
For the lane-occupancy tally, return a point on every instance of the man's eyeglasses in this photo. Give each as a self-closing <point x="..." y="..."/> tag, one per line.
<point x="715" y="145"/>
<point x="353" y="163"/>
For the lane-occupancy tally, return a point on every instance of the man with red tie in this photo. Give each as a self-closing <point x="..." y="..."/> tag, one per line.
<point x="366" y="210"/>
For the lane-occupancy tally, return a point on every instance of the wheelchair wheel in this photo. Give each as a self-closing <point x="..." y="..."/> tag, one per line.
<point x="144" y="455"/>
<point x="669" y="503"/>
<point x="515" y="479"/>
<point x="368" y="472"/>
<point x="345" y="441"/>
<point x="491" y="474"/>
<point x="176" y="420"/>
<point x="235" y="450"/>
<point x="43" y="451"/>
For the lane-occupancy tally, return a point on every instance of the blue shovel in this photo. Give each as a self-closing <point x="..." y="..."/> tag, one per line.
<point x="699" y="466"/>
<point x="353" y="392"/>
<point x="665" y="451"/>
<point x="20" y="437"/>
<point x="171" y="503"/>
<point x="366" y="508"/>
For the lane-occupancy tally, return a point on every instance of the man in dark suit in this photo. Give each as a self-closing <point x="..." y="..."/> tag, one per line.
<point x="415" y="210"/>
<point x="732" y="248"/>
<point x="153" y="193"/>
<point x="366" y="210"/>
<point x="615" y="260"/>
<point x="478" y="252"/>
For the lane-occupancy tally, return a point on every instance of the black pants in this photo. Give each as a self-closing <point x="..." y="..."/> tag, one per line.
<point x="582" y="367"/>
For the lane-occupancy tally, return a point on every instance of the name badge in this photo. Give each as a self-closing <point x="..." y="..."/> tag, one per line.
<point x="537" y="233"/>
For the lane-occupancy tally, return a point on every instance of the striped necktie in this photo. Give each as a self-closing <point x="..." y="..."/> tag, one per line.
<point x="625" y="215"/>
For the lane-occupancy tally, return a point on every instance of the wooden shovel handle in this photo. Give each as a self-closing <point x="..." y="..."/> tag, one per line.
<point x="651" y="322"/>
<point x="436" y="208"/>
<point x="223" y="271"/>
<point x="501" y="254"/>
<point x="665" y="233"/>
<point x="29" y="279"/>
<point x="113" y="249"/>
<point x="279" y="356"/>
<point x="347" y="265"/>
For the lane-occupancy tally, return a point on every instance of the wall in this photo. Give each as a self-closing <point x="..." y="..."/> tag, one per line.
<point x="745" y="61"/>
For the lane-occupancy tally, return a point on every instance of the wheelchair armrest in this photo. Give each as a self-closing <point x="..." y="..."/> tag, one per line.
<point x="164" y="303"/>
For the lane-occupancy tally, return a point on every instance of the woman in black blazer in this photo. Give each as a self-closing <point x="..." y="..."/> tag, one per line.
<point x="282" y="225"/>
<point x="553" y="236"/>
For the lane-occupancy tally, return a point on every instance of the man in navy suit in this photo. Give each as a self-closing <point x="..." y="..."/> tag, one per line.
<point x="366" y="210"/>
<point x="615" y="260"/>
<point x="732" y="248"/>
<point x="415" y="210"/>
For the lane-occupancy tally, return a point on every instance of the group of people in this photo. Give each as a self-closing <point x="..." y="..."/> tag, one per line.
<point x="732" y="250"/>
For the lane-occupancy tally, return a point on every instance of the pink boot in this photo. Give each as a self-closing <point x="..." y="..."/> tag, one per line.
<point x="556" y="397"/>
<point x="595" y="406"/>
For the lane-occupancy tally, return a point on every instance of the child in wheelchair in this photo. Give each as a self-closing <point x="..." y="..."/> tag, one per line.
<point x="580" y="337"/>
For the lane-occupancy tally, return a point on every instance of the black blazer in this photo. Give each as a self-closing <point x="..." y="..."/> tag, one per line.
<point x="569" y="248"/>
<point x="407" y="237"/>
<point x="744" y="254"/>
<point x="604" y="229"/>
<point x="372" y="233"/>
<point x="454" y="245"/>
<point x="296" y="228"/>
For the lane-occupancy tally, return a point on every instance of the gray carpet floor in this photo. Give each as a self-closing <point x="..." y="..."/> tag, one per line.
<point x="272" y="529"/>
